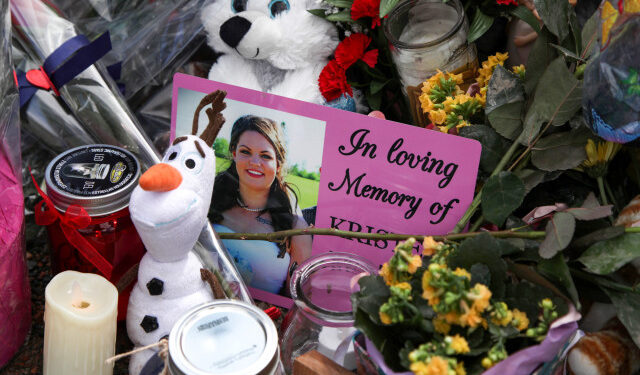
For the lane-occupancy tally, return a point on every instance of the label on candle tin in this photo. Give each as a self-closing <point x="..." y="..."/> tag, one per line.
<point x="93" y="171"/>
<point x="224" y="342"/>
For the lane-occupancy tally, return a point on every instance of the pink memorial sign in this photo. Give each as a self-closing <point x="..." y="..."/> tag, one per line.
<point x="348" y="171"/>
<point x="383" y="177"/>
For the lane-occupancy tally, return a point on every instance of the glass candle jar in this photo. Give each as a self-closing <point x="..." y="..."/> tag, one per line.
<point x="102" y="239"/>
<point x="322" y="317"/>
<point x="223" y="337"/>
<point x="426" y="36"/>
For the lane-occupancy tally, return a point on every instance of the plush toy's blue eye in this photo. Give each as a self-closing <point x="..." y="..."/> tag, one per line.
<point x="278" y="6"/>
<point x="238" y="6"/>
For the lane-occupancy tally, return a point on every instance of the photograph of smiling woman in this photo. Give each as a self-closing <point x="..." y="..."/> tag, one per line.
<point x="251" y="195"/>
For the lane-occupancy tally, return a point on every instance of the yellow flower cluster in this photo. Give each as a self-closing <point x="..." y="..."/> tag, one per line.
<point x="437" y="365"/>
<point x="502" y="316"/>
<point x="469" y="311"/>
<point x="485" y="73"/>
<point x="401" y="266"/>
<point x="457" y="344"/>
<point x="520" y="320"/>
<point x="444" y="101"/>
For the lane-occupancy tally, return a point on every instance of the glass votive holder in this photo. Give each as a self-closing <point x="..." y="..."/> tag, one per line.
<point x="426" y="36"/>
<point x="322" y="316"/>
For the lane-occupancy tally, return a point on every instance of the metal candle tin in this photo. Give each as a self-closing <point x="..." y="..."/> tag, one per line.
<point x="224" y="337"/>
<point x="100" y="178"/>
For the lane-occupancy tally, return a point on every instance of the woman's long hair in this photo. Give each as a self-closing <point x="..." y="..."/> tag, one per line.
<point x="226" y="192"/>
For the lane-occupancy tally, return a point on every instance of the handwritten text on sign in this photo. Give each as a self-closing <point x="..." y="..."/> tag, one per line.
<point x="382" y="177"/>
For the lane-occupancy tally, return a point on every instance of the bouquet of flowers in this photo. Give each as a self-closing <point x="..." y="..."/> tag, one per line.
<point x="459" y="312"/>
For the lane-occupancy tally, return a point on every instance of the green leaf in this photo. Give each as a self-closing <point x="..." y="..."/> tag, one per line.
<point x="493" y="145"/>
<point x="480" y="24"/>
<point x="387" y="6"/>
<point x="559" y="231"/>
<point x="590" y="35"/>
<point x="504" y="88"/>
<point x="374" y="100"/>
<point x="534" y="177"/>
<point x="557" y="271"/>
<point x="342" y="16"/>
<point x="483" y="250"/>
<point x="555" y="15"/>
<point x="567" y="53"/>
<point x="607" y="256"/>
<point x="340" y="3"/>
<point x="501" y="194"/>
<point x="539" y="58"/>
<point x="507" y="120"/>
<point x="527" y="16"/>
<point x="376" y="86"/>
<point x="627" y="306"/>
<point x="560" y="151"/>
<point x="599" y="235"/>
<point x="480" y="274"/>
<point x="373" y="293"/>
<point x="558" y="97"/>
<point x="318" y="12"/>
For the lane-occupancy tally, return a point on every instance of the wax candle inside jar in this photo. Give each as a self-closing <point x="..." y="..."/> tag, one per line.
<point x="80" y="324"/>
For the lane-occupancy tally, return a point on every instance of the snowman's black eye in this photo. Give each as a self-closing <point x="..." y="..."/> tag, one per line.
<point x="173" y="155"/>
<point x="238" y="6"/>
<point x="190" y="163"/>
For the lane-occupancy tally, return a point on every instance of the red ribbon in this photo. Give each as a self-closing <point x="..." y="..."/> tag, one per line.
<point x="74" y="218"/>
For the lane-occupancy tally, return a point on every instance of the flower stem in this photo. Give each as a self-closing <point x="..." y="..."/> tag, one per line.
<point x="603" y="195"/>
<point x="477" y="224"/>
<point x="478" y="198"/>
<point x="281" y="235"/>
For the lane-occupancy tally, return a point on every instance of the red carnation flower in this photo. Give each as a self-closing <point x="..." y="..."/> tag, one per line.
<point x="352" y="49"/>
<point x="366" y="8"/>
<point x="333" y="81"/>
<point x="507" y="2"/>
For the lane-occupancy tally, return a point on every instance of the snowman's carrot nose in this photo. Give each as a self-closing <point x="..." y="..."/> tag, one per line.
<point x="160" y="177"/>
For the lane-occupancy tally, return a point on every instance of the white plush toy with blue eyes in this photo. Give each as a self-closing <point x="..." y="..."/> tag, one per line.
<point x="169" y="209"/>
<point x="275" y="46"/>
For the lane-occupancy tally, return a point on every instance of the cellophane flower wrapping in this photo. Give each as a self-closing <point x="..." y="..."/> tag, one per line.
<point x="15" y="295"/>
<point x="150" y="41"/>
<point x="92" y="96"/>
<point x="95" y="101"/>
<point x="611" y="94"/>
<point x="45" y="117"/>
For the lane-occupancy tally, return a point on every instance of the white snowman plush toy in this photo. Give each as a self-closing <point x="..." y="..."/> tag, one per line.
<point x="169" y="209"/>
<point x="275" y="46"/>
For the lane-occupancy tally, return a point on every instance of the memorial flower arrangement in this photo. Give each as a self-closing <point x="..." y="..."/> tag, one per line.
<point x="453" y="311"/>
<point x="548" y="183"/>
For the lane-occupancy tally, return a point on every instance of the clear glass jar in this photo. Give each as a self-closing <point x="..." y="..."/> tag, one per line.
<point x="426" y="36"/>
<point x="322" y="317"/>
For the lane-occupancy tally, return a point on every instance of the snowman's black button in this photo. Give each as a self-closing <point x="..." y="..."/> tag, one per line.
<point x="149" y="323"/>
<point x="155" y="286"/>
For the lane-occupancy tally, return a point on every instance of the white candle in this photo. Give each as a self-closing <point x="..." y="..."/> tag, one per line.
<point x="80" y="324"/>
<point x="427" y="35"/>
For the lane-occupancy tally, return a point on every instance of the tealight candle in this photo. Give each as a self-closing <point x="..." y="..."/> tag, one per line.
<point x="80" y="324"/>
